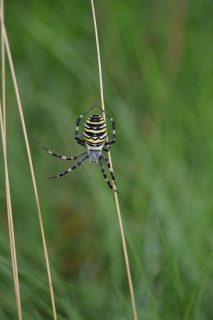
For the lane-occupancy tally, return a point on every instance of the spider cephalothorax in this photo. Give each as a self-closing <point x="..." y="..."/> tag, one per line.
<point x="95" y="140"/>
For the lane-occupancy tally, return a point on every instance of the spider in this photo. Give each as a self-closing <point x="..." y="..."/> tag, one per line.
<point x="95" y="140"/>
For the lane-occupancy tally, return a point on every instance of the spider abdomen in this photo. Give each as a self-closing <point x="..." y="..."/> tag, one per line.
<point x="95" y="133"/>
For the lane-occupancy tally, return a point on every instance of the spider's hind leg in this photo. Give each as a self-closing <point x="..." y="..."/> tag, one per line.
<point x="105" y="175"/>
<point x="60" y="156"/>
<point x="110" y="169"/>
<point x="70" y="169"/>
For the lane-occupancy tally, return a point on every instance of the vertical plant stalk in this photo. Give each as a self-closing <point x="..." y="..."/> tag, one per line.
<point x="129" y="277"/>
<point x="31" y="169"/>
<point x="3" y="69"/>
<point x="10" y="221"/>
<point x="7" y="183"/>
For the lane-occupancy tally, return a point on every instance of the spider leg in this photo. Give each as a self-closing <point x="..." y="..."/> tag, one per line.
<point x="80" y="141"/>
<point x="71" y="168"/>
<point x="110" y="169"/>
<point x="105" y="175"/>
<point x="60" y="156"/>
<point x="107" y="149"/>
<point x="113" y="140"/>
<point x="77" y="136"/>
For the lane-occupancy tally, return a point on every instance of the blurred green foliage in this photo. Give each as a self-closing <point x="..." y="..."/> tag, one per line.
<point x="157" y="63"/>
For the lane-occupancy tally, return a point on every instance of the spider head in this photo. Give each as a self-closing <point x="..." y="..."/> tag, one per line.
<point x="94" y="155"/>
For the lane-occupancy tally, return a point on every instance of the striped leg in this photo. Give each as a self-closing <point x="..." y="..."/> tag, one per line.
<point x="110" y="169"/>
<point x="70" y="169"/>
<point x="60" y="156"/>
<point x="107" y="149"/>
<point x="105" y="175"/>
<point x="113" y="140"/>
<point x="77" y="136"/>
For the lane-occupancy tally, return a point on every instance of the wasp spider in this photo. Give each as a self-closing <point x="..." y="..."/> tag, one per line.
<point x="95" y="141"/>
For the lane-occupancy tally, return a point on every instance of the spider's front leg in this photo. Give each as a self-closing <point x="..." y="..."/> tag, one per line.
<point x="113" y="140"/>
<point x="77" y="136"/>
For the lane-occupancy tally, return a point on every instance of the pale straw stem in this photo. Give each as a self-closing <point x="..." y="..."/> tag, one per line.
<point x="31" y="170"/>
<point x="7" y="184"/>
<point x="10" y="222"/>
<point x="3" y="69"/>
<point x="129" y="277"/>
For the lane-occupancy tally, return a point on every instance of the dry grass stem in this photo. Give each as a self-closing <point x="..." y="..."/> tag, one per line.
<point x="10" y="221"/>
<point x="31" y="169"/>
<point x="134" y="310"/>
<point x="7" y="183"/>
<point x="3" y="69"/>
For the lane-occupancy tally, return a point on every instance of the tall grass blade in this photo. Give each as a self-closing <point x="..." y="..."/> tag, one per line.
<point x="7" y="183"/>
<point x="31" y="169"/>
<point x="3" y="69"/>
<point x="10" y="221"/>
<point x="129" y="277"/>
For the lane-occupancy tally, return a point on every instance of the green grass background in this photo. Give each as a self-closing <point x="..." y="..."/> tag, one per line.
<point x="157" y="61"/>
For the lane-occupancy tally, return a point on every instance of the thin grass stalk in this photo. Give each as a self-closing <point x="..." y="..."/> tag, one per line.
<point x="10" y="221"/>
<point x="31" y="170"/>
<point x="3" y="69"/>
<point x="129" y="277"/>
<point x="7" y="183"/>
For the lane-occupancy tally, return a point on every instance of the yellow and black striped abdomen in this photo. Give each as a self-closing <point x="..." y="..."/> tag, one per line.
<point x="95" y="131"/>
